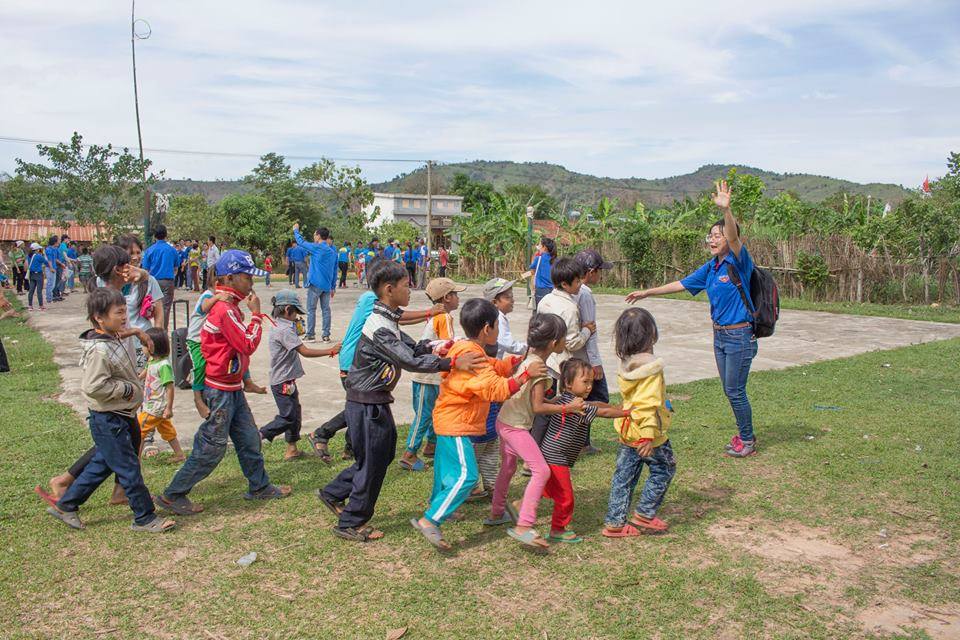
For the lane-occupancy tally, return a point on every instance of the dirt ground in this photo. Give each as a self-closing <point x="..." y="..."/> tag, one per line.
<point x="685" y="344"/>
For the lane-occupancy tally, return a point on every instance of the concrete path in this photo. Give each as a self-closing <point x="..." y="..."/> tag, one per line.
<point x="685" y="343"/>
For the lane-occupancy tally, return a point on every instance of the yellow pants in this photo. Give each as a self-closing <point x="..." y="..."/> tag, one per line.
<point x="163" y="426"/>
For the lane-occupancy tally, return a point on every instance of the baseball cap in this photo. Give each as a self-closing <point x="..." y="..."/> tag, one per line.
<point x="496" y="286"/>
<point x="591" y="259"/>
<point x="439" y="287"/>
<point x="35" y="246"/>
<point x="236" y="261"/>
<point x="287" y="298"/>
<point x="19" y="243"/>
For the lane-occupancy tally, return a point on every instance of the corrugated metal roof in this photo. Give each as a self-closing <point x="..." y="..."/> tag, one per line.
<point x="12" y="229"/>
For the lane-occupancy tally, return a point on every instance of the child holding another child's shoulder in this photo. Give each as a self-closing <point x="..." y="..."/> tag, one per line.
<point x="461" y="412"/>
<point x="158" y="393"/>
<point x="643" y="434"/>
<point x="563" y="442"/>
<point x="113" y="391"/>
<point x="286" y="347"/>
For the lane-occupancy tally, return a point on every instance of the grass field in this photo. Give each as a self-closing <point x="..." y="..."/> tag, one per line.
<point x="845" y="525"/>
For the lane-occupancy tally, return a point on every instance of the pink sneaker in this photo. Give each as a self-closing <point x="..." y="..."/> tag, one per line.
<point x="746" y="448"/>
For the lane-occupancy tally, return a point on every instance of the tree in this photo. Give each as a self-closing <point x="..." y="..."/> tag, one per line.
<point x="98" y="186"/>
<point x="535" y="196"/>
<point x="254" y="222"/>
<point x="193" y="217"/>
<point x="477" y="196"/>
<point x="342" y="189"/>
<point x="23" y="198"/>
<point x="273" y="179"/>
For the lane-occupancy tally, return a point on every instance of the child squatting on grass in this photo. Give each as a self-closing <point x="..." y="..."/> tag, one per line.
<point x="461" y="412"/>
<point x="113" y="391"/>
<point x="643" y="434"/>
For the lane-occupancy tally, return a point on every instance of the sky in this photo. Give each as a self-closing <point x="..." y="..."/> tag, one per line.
<point x="866" y="90"/>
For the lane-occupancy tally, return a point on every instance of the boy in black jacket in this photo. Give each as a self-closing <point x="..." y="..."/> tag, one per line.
<point x="382" y="352"/>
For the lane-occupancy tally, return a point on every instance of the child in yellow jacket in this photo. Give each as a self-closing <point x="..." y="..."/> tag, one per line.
<point x="461" y="412"/>
<point x="642" y="434"/>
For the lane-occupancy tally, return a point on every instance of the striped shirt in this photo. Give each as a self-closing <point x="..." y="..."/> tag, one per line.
<point x="566" y="434"/>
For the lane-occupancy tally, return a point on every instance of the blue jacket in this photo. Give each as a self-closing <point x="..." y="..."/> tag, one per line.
<point x="323" y="263"/>
<point x="37" y="262"/>
<point x="161" y="260"/>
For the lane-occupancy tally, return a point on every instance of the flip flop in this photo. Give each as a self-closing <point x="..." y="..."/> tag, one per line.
<point x="181" y="506"/>
<point x="626" y="531"/>
<point x="270" y="492"/>
<point x="69" y="518"/>
<point x="482" y="495"/>
<point x="157" y="525"/>
<point x="416" y="466"/>
<point x="336" y="508"/>
<point x="432" y="534"/>
<point x="496" y="522"/>
<point x="527" y="538"/>
<point x="363" y="534"/>
<point x="292" y="456"/>
<point x="46" y="497"/>
<point x="567" y="536"/>
<point x="320" y="448"/>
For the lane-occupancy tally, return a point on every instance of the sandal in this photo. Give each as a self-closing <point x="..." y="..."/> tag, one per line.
<point x="432" y="533"/>
<point x="320" y="448"/>
<point x="46" y="497"/>
<point x="496" y="522"/>
<point x="483" y="494"/>
<point x="567" y="536"/>
<point x="511" y="510"/>
<point x="529" y="538"/>
<point x="181" y="506"/>
<point x="335" y="506"/>
<point x="649" y="525"/>
<point x="363" y="534"/>
<point x="157" y="525"/>
<point x="416" y="466"/>
<point x="69" y="518"/>
<point x="270" y="492"/>
<point x="289" y="457"/>
<point x="626" y="531"/>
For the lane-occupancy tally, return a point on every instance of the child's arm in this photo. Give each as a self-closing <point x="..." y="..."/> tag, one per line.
<point x="490" y="385"/>
<point x="606" y="410"/>
<point x="168" y="391"/>
<point x="307" y="352"/>
<point x="245" y="339"/>
<point x="542" y="407"/>
<point x="416" y="317"/>
<point x="208" y="303"/>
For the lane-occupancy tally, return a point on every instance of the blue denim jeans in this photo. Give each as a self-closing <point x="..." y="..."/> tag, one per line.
<point x="539" y="293"/>
<point x="315" y="294"/>
<point x="734" y="350"/>
<point x="626" y="475"/>
<point x="50" y="282"/>
<point x="114" y="453"/>
<point x="299" y="271"/>
<point x="229" y="417"/>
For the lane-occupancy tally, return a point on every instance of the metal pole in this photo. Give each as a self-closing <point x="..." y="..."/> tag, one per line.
<point x="136" y="106"/>
<point x="429" y="206"/>
<point x="530" y="211"/>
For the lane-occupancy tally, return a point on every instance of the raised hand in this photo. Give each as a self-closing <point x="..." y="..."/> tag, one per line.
<point x="253" y="303"/>
<point x="721" y="197"/>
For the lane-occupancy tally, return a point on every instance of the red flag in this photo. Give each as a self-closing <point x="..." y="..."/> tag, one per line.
<point x="926" y="184"/>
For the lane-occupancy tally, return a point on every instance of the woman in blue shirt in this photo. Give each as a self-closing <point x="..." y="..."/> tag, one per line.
<point x="734" y="344"/>
<point x="36" y="265"/>
<point x="540" y="269"/>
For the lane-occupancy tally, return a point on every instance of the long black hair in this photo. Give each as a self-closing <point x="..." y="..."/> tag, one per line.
<point x="551" y="247"/>
<point x="635" y="332"/>
<point x="545" y="328"/>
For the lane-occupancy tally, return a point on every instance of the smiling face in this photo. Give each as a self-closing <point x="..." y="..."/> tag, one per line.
<point x="135" y="253"/>
<point x="504" y="302"/>
<point x="717" y="242"/>
<point x="114" y="320"/>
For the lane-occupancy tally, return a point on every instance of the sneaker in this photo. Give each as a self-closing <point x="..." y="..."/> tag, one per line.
<point x="29" y="308"/>
<point x="309" y="338"/>
<point x="746" y="448"/>
<point x="325" y="338"/>
<point x="735" y="443"/>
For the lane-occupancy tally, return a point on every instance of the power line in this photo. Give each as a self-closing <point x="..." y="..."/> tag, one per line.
<point x="221" y="154"/>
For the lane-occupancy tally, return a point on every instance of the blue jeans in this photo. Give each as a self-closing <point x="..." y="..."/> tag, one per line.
<point x="72" y="280"/>
<point x="299" y="271"/>
<point x="539" y="294"/>
<point x="315" y="294"/>
<point x="229" y="417"/>
<point x="626" y="475"/>
<point x="36" y="287"/>
<point x="734" y="350"/>
<point x="114" y="453"/>
<point x="50" y="282"/>
<point x="61" y="282"/>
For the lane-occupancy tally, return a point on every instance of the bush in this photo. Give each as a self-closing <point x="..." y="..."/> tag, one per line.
<point x="636" y="245"/>
<point x="812" y="270"/>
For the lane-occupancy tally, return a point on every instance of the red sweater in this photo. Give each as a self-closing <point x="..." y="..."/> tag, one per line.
<point x="226" y="343"/>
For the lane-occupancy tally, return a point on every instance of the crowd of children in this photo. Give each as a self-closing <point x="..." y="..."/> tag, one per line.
<point x="484" y="400"/>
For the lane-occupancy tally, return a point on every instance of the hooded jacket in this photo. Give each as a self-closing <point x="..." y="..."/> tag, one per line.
<point x="465" y="396"/>
<point x="109" y="381"/>
<point x="382" y="352"/>
<point x="644" y="394"/>
<point x="227" y="343"/>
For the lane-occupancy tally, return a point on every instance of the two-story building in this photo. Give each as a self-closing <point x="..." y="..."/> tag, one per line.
<point x="412" y="208"/>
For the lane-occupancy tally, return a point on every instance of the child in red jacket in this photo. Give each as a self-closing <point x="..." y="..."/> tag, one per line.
<point x="226" y="343"/>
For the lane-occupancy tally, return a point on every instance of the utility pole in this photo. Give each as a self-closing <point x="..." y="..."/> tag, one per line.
<point x="429" y="206"/>
<point x="530" y="211"/>
<point x="862" y="258"/>
<point x="136" y="106"/>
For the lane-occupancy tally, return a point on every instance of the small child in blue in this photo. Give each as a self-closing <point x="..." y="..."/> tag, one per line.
<point x="286" y="347"/>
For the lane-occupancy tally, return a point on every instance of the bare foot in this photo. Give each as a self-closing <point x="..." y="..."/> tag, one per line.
<point x="252" y="387"/>
<point x="150" y="452"/>
<point x="178" y="458"/>
<point x="118" y="497"/>
<point x="60" y="484"/>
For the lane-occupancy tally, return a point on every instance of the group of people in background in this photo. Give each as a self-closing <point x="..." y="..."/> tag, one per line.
<point x="45" y="273"/>
<point x="487" y="404"/>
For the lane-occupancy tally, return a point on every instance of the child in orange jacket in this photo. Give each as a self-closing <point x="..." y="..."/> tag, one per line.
<point x="461" y="412"/>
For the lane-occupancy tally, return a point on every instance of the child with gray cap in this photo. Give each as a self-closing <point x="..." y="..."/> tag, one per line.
<point x="286" y="347"/>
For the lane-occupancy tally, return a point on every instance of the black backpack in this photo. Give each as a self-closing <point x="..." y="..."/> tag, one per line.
<point x="765" y="296"/>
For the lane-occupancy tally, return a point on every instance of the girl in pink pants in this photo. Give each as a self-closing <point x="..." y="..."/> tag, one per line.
<point x="546" y="335"/>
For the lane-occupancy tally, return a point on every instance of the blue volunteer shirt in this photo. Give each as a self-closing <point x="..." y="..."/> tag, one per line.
<point x="323" y="263"/>
<point x="541" y="267"/>
<point x="389" y="252"/>
<point x="37" y="262"/>
<point x="161" y="260"/>
<point x="52" y="254"/>
<point x="296" y="254"/>
<point x="410" y="256"/>
<point x="343" y="255"/>
<point x="726" y="305"/>
<point x="350" y="339"/>
<point x="72" y="253"/>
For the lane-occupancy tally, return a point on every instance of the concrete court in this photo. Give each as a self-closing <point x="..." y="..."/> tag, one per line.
<point x="685" y="343"/>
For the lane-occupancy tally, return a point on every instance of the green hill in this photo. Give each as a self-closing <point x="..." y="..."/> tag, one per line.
<point x="579" y="188"/>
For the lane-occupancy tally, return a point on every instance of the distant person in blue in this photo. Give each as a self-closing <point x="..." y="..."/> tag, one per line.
<point x="72" y="256"/>
<point x="410" y="262"/>
<point x="162" y="260"/>
<point x="297" y="256"/>
<point x="53" y="269"/>
<point x="321" y="279"/>
<point x="389" y="251"/>
<point x="734" y="345"/>
<point x="540" y="269"/>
